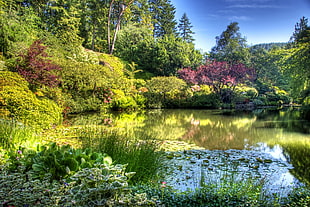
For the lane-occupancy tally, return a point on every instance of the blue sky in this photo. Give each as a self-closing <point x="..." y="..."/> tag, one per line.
<point x="260" y="21"/>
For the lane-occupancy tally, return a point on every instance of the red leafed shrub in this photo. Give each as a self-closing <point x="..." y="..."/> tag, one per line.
<point x="218" y="74"/>
<point x="36" y="68"/>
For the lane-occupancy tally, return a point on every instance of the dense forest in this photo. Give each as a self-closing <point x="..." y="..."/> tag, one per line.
<point x="61" y="57"/>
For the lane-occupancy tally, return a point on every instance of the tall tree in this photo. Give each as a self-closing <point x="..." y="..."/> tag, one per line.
<point x="163" y="13"/>
<point x="93" y="27"/>
<point x="230" y="46"/>
<point x="185" y="29"/>
<point x="302" y="31"/>
<point x="117" y="8"/>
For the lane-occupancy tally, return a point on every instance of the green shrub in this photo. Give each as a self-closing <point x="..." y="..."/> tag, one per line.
<point x="100" y="186"/>
<point x="21" y="189"/>
<point x="25" y="106"/>
<point x="164" y="92"/>
<point x="203" y="101"/>
<point x="57" y="161"/>
<point x="104" y="186"/>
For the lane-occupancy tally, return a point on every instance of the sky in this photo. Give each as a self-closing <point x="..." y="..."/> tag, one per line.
<point x="260" y="21"/>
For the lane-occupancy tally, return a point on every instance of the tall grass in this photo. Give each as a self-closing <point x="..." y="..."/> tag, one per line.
<point x="140" y="153"/>
<point x="13" y="134"/>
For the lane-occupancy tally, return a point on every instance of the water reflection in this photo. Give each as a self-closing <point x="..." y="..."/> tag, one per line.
<point x="279" y="133"/>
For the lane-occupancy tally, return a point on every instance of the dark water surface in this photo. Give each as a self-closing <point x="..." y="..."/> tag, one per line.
<point x="279" y="134"/>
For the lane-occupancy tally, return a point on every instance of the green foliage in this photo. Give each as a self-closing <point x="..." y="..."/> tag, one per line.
<point x="204" y="101"/>
<point x="18" y="31"/>
<point x="21" y="189"/>
<point x="100" y="186"/>
<point x="13" y="134"/>
<point x="25" y="106"/>
<point x="57" y="161"/>
<point x="164" y="92"/>
<point x="162" y="57"/>
<point x="300" y="197"/>
<point x="121" y="102"/>
<point x="138" y="152"/>
<point x="230" y="46"/>
<point x="104" y="186"/>
<point x="83" y="81"/>
<point x="185" y="29"/>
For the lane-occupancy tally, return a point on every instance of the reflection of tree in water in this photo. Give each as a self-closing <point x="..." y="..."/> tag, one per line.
<point x="299" y="156"/>
<point x="219" y="133"/>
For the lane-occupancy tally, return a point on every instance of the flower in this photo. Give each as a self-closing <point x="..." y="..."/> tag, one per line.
<point x="163" y="184"/>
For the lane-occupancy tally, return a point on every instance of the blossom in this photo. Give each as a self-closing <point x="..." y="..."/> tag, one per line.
<point x="163" y="184"/>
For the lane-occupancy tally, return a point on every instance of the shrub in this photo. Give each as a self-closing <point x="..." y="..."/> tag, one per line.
<point x="24" y="106"/>
<point x="57" y="161"/>
<point x="104" y="186"/>
<point x="36" y="68"/>
<point x="122" y="102"/>
<point x="99" y="186"/>
<point x="204" y="101"/>
<point x="164" y="92"/>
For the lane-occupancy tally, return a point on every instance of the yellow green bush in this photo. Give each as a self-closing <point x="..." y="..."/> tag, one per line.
<point x="24" y="105"/>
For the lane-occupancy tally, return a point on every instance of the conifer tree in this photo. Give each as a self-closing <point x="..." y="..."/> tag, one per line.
<point x="302" y="31"/>
<point x="163" y="13"/>
<point x="185" y="27"/>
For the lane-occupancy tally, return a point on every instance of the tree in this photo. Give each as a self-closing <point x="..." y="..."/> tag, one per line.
<point x="94" y="14"/>
<point x="230" y="46"/>
<point x="185" y="27"/>
<point x="36" y="68"/>
<point x="295" y="61"/>
<point x="218" y="75"/>
<point x="118" y="11"/>
<point x="302" y="31"/>
<point x="163" y="14"/>
<point x="269" y="73"/>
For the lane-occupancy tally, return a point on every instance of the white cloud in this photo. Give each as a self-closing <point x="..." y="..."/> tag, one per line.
<point x="240" y="18"/>
<point x="248" y="1"/>
<point x="255" y="6"/>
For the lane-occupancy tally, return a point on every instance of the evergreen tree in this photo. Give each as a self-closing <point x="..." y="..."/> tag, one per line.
<point x="163" y="14"/>
<point x="302" y="31"/>
<point x="185" y="27"/>
<point x="230" y="46"/>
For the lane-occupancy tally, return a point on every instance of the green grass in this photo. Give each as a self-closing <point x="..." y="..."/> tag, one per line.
<point x="141" y="154"/>
<point x="14" y="134"/>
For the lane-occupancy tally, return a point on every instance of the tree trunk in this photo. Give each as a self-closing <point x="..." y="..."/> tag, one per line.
<point x="118" y="25"/>
<point x="109" y="25"/>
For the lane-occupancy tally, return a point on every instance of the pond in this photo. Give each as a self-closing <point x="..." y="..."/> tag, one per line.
<point x="264" y="142"/>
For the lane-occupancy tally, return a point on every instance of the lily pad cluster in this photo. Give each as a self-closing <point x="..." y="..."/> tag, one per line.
<point x="192" y="169"/>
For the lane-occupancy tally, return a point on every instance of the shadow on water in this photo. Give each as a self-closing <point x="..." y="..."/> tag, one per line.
<point x="279" y="133"/>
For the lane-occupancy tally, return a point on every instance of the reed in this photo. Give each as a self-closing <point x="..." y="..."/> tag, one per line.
<point x="140" y="153"/>
<point x="14" y="134"/>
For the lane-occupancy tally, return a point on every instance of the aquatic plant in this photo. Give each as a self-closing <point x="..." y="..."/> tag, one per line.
<point x="141" y="155"/>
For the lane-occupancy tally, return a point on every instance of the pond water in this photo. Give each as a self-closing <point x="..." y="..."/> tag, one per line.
<point x="260" y="141"/>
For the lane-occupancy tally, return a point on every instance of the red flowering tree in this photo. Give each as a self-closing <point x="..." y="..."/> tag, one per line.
<point x="218" y="75"/>
<point x="36" y="68"/>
